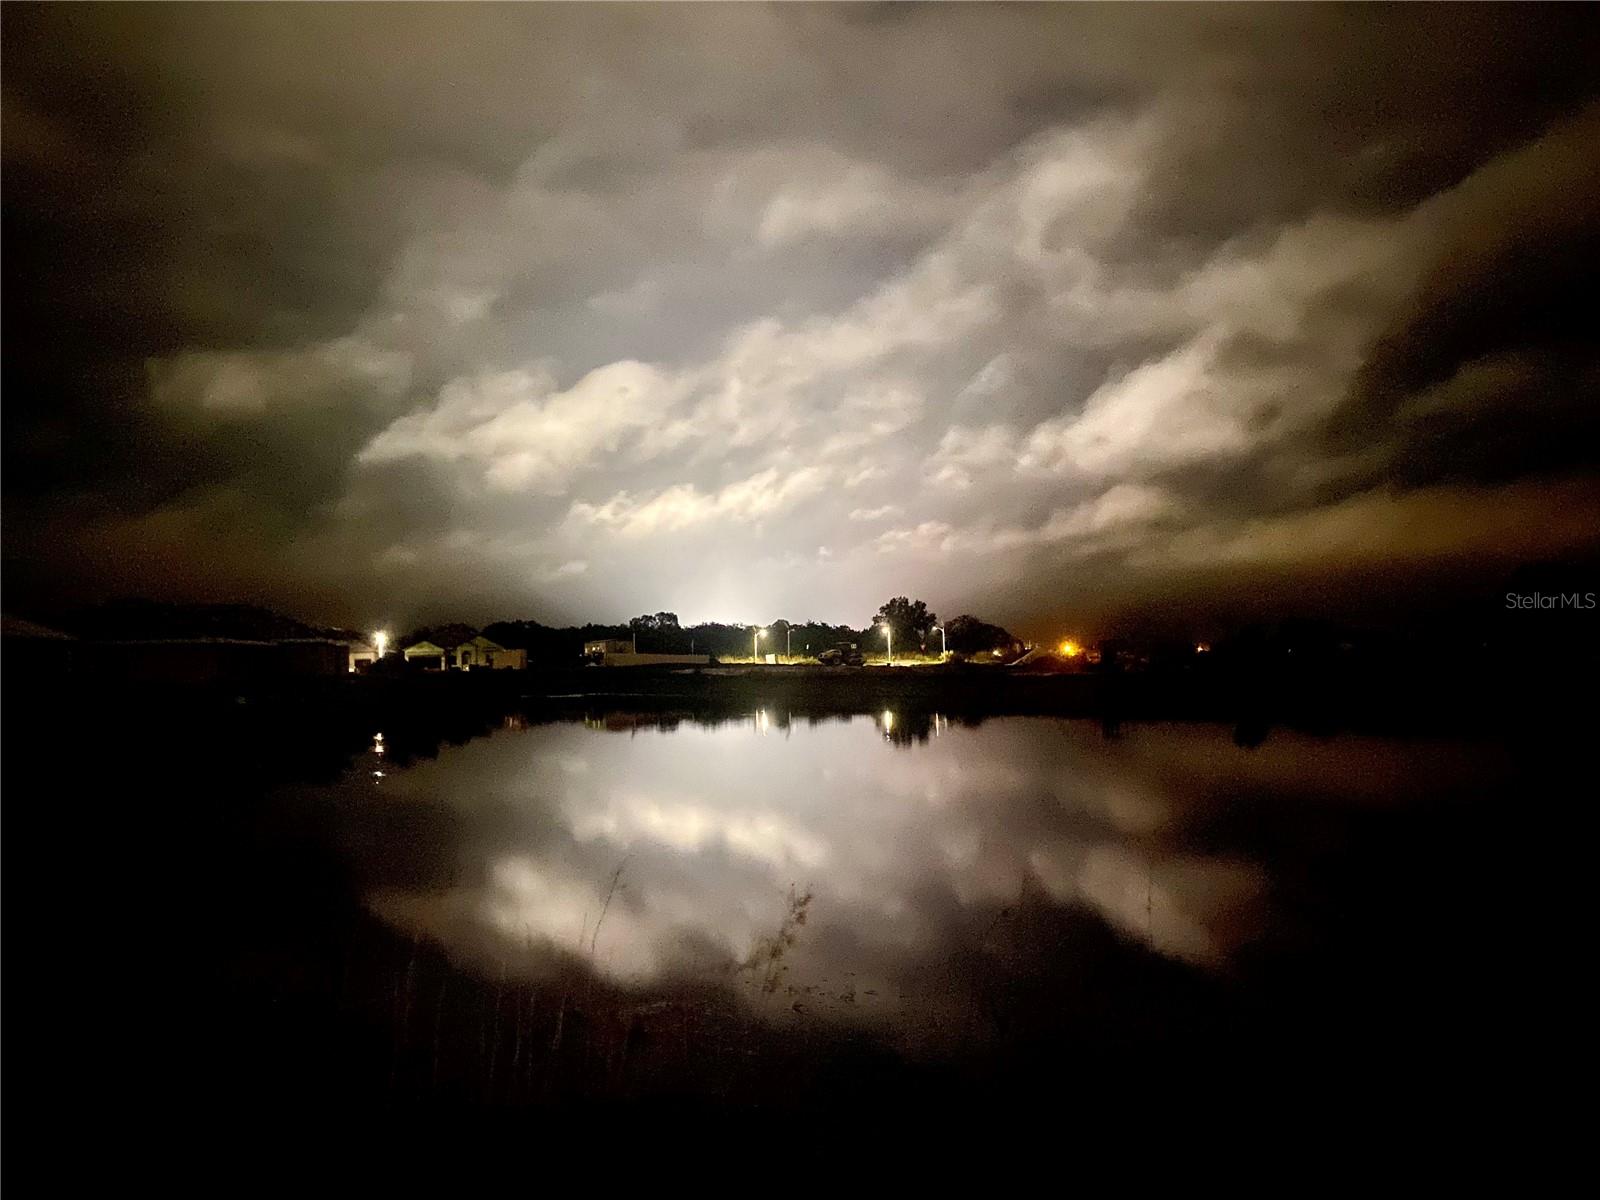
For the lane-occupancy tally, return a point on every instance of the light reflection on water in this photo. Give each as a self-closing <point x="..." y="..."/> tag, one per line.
<point x="683" y="848"/>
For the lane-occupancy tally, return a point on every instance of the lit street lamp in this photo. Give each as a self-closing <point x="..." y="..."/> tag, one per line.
<point x="755" y="644"/>
<point x="944" y="646"/>
<point x="381" y="641"/>
<point x="888" y="637"/>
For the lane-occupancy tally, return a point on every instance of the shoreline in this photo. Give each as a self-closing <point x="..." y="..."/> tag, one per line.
<point x="1469" y="701"/>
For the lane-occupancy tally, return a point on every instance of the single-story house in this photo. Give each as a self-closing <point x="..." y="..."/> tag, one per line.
<point x="426" y="655"/>
<point x="361" y="655"/>
<point x="605" y="646"/>
<point x="479" y="653"/>
<point x="201" y="660"/>
<point x="32" y="648"/>
<point x="473" y="652"/>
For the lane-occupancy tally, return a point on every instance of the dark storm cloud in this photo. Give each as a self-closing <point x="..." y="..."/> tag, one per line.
<point x="580" y="310"/>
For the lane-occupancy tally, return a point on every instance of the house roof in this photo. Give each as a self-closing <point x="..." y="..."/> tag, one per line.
<point x="145" y="620"/>
<point x="445" y="635"/>
<point x="424" y="646"/>
<point x="19" y="627"/>
<point x="481" y="642"/>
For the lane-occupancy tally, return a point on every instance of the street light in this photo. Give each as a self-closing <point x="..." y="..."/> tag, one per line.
<point x="755" y="643"/>
<point x="888" y="636"/>
<point x="788" y="641"/>
<point x="381" y="641"/>
<point x="944" y="646"/>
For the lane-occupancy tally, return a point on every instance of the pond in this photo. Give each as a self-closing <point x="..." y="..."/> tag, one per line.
<point x="883" y="872"/>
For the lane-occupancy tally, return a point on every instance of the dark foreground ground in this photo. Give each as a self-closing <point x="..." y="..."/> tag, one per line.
<point x="179" y="955"/>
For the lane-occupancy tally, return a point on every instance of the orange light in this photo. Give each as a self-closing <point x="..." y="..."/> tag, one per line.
<point x="1070" y="649"/>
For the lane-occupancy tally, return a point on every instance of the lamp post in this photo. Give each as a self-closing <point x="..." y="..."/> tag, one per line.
<point x="788" y="641"/>
<point x="381" y="641"/>
<point x="888" y="637"/>
<point x="755" y="643"/>
<point x="944" y="646"/>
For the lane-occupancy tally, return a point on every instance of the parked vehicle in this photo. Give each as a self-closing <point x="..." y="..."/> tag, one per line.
<point x="842" y="654"/>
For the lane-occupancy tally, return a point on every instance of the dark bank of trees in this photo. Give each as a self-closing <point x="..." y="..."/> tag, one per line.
<point x="663" y="633"/>
<point x="966" y="634"/>
<point x="916" y="627"/>
<point x="913" y="622"/>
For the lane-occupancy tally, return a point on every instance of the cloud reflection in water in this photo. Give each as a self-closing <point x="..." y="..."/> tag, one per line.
<point x="912" y="845"/>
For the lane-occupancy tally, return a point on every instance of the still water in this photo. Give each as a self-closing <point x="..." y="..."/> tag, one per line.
<point x="861" y="870"/>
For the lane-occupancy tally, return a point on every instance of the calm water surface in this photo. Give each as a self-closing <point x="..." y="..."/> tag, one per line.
<point x="863" y="869"/>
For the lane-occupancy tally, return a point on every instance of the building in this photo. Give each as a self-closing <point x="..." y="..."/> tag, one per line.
<point x="360" y="651"/>
<point x="426" y="655"/>
<point x="359" y="654"/>
<point x="476" y="651"/>
<point x="310" y="656"/>
<point x="619" y="652"/>
<point x="213" y="660"/>
<point x="472" y="652"/>
<point x="479" y="653"/>
<point x="629" y="659"/>
<point x="140" y="642"/>
<point x="34" y="649"/>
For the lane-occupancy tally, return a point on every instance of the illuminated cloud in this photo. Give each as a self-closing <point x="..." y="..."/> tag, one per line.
<point x="522" y="433"/>
<point x="1127" y="305"/>
<point x="683" y="505"/>
<point x="244" y="384"/>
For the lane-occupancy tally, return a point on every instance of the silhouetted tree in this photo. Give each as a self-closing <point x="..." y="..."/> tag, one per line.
<point x="659" y="633"/>
<point x="910" y="620"/>
<point x="966" y="634"/>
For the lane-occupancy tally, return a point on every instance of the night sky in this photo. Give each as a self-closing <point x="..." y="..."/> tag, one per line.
<point x="377" y="315"/>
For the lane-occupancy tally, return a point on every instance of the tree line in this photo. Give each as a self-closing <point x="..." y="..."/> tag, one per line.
<point x="914" y="627"/>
